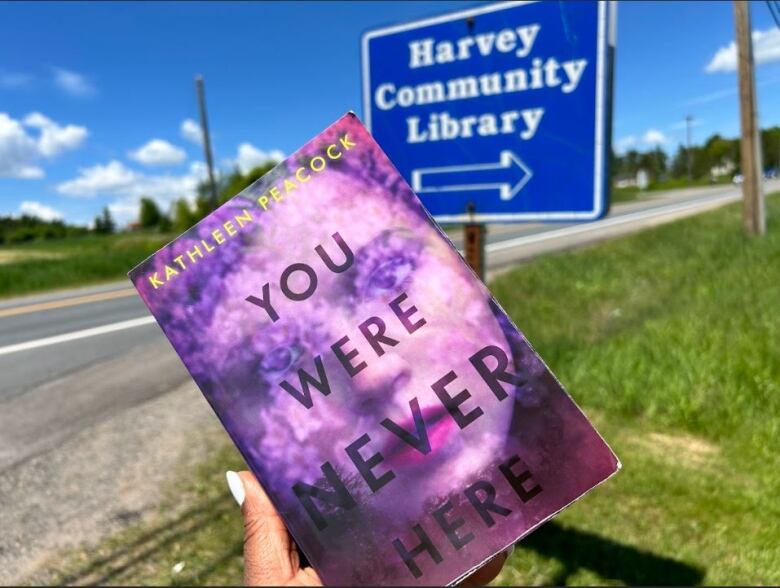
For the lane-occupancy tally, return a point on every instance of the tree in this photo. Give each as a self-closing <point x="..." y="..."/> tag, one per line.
<point x="718" y="150"/>
<point x="631" y="162"/>
<point x="183" y="218"/>
<point x="227" y="187"/>
<point x="653" y="162"/>
<point x="237" y="181"/>
<point x="165" y="223"/>
<point x="679" y="167"/>
<point x="104" y="222"/>
<point x="770" y="148"/>
<point x="150" y="215"/>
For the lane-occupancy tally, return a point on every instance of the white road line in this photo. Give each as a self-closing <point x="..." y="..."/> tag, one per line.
<point x="490" y="248"/>
<point x="608" y="222"/>
<point x="113" y="327"/>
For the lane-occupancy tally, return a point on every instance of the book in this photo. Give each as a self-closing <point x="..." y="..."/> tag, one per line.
<point x="401" y="424"/>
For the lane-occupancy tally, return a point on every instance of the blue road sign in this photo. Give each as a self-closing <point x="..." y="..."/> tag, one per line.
<point x="506" y="106"/>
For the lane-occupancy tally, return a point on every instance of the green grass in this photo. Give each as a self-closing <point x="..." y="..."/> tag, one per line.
<point x="64" y="263"/>
<point x="80" y="261"/>
<point x="669" y="339"/>
<point x="631" y="194"/>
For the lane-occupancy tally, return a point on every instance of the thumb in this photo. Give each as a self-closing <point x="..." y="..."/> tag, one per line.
<point x="270" y="556"/>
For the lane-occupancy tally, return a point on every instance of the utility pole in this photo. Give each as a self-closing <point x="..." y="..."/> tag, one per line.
<point x="753" y="208"/>
<point x="204" y="125"/>
<point x="688" y="121"/>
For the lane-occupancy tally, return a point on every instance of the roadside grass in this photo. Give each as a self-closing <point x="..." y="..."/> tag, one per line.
<point x="617" y="195"/>
<point x="633" y="193"/>
<point x="79" y="261"/>
<point x="669" y="341"/>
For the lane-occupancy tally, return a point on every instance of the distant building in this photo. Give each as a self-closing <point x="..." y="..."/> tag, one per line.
<point x="642" y="179"/>
<point x="626" y="182"/>
<point x="724" y="169"/>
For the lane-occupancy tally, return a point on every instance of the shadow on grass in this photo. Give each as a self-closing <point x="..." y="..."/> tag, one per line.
<point x="573" y="548"/>
<point x="105" y="568"/>
<point x="610" y="560"/>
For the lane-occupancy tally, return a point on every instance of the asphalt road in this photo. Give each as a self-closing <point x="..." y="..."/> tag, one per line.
<point x="95" y="406"/>
<point x="52" y="337"/>
<point x="99" y="345"/>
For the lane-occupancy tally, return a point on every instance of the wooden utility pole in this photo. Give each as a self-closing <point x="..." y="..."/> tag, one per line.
<point x="753" y="209"/>
<point x="204" y="125"/>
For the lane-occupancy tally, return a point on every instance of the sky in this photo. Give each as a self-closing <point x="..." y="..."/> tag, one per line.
<point x="97" y="101"/>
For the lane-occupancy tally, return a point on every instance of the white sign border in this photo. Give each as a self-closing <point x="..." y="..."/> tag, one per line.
<point x="601" y="56"/>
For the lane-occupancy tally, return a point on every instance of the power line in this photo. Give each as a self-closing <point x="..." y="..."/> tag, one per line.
<point x="774" y="9"/>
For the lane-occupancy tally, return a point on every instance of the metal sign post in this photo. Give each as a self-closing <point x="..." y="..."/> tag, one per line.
<point x="474" y="243"/>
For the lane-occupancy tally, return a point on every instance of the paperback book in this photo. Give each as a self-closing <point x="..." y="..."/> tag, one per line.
<point x="401" y="424"/>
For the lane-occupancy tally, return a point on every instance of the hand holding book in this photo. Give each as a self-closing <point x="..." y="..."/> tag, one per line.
<point x="271" y="558"/>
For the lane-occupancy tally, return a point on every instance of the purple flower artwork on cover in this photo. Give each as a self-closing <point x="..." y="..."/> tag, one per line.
<point x="401" y="424"/>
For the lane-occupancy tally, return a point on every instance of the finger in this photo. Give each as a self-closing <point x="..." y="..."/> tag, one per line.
<point x="488" y="572"/>
<point x="270" y="556"/>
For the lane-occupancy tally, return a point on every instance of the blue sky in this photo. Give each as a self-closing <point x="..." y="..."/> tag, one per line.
<point x="95" y="97"/>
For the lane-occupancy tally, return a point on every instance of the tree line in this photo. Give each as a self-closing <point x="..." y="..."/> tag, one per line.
<point x="716" y="152"/>
<point x="179" y="218"/>
<point x="183" y="215"/>
<point x="31" y="228"/>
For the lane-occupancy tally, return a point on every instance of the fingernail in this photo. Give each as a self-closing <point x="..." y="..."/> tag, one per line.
<point x="236" y="487"/>
<point x="509" y="551"/>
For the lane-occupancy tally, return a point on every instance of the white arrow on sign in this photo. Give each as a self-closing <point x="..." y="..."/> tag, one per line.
<point x="502" y="176"/>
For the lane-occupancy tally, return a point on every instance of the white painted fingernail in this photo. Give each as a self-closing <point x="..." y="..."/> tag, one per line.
<point x="509" y="551"/>
<point x="236" y="487"/>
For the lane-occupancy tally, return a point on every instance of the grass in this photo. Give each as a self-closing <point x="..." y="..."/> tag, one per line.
<point x="62" y="263"/>
<point x="669" y="340"/>
<point x="79" y="261"/>
<point x="633" y="193"/>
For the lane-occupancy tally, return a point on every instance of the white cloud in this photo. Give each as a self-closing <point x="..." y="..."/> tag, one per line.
<point x="654" y="137"/>
<point x="43" y="212"/>
<point x="29" y="172"/>
<point x="766" y="48"/>
<point x="128" y="186"/>
<point x="158" y="152"/>
<point x="72" y="83"/>
<point x="626" y="143"/>
<point x="55" y="139"/>
<point x="99" y="179"/>
<point x="726" y="92"/>
<point x="14" y="79"/>
<point x="17" y="150"/>
<point x="190" y="130"/>
<point x="712" y="96"/>
<point x="20" y="150"/>
<point x="249" y="157"/>
<point x="650" y="138"/>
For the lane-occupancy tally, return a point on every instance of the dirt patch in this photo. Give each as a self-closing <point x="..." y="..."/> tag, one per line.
<point x="680" y="449"/>
<point x="17" y="256"/>
<point x="100" y="481"/>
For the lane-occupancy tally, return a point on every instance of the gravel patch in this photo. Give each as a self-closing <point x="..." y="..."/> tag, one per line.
<point x="100" y="480"/>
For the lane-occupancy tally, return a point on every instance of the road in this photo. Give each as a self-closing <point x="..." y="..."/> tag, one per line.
<point x="107" y="331"/>
<point x="72" y="360"/>
<point x="99" y="345"/>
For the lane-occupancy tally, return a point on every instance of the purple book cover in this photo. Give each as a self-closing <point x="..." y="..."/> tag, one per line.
<point x="403" y="427"/>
